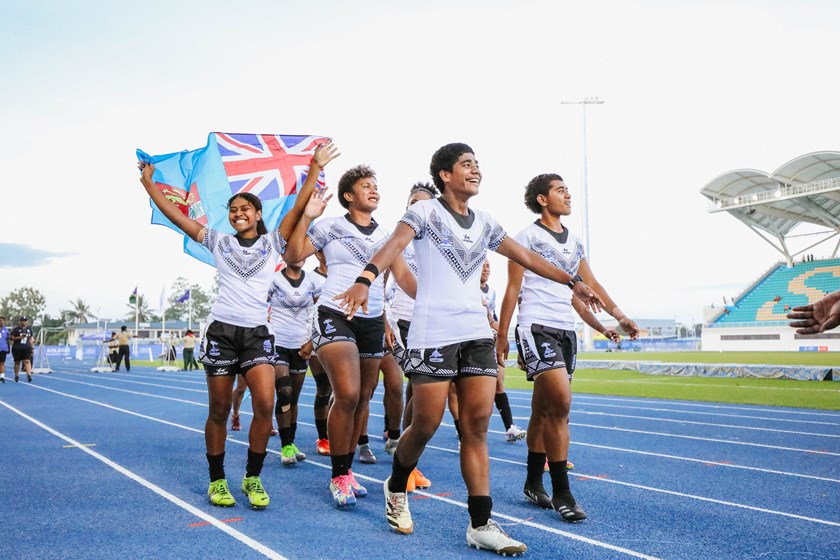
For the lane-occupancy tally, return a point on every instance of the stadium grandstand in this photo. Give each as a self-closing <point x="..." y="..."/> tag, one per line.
<point x="803" y="194"/>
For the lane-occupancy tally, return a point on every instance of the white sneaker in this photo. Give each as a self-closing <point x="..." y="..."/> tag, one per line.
<point x="492" y="537"/>
<point x="515" y="433"/>
<point x="366" y="455"/>
<point x="391" y="446"/>
<point x="396" y="510"/>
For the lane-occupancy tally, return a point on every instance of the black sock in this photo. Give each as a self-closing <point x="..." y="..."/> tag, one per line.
<point x="339" y="465"/>
<point x="394" y="434"/>
<point x="293" y="426"/>
<point x="216" y="463"/>
<point x="286" y="437"/>
<point x="321" y="426"/>
<point x="536" y="466"/>
<point x="458" y="429"/>
<point x="503" y="404"/>
<point x="255" y="463"/>
<point x="559" y="477"/>
<point x="399" y="475"/>
<point x="350" y="459"/>
<point x="479" y="508"/>
<point x="385" y="421"/>
<point x="364" y="439"/>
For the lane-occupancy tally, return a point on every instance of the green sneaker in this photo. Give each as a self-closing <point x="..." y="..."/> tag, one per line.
<point x="220" y="494"/>
<point x="288" y="455"/>
<point x="252" y="486"/>
<point x="299" y="455"/>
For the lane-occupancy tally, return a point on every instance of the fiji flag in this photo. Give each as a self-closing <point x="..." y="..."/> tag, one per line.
<point x="200" y="182"/>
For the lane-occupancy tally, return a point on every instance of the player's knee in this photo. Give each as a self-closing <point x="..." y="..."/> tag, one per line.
<point x="283" y="390"/>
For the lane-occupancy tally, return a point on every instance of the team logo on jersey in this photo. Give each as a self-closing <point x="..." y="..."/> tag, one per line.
<point x="214" y="348"/>
<point x="467" y="238"/>
<point x="221" y="371"/>
<point x="328" y="326"/>
<point x="547" y="351"/>
<point x="436" y="357"/>
<point x="566" y="251"/>
<point x="267" y="346"/>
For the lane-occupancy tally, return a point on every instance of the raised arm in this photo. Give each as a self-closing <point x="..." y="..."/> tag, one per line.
<point x="538" y="265"/>
<point x="324" y="154"/>
<point x="190" y="227"/>
<point x="298" y="245"/>
<point x="627" y="324"/>
<point x="357" y="295"/>
<point x="511" y="297"/>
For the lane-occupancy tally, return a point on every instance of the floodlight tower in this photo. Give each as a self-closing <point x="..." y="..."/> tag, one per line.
<point x="587" y="331"/>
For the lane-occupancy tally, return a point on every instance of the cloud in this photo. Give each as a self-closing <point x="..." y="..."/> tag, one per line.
<point x="14" y="255"/>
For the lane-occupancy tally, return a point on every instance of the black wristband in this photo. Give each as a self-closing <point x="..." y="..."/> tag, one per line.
<point x="363" y="280"/>
<point x="372" y="269"/>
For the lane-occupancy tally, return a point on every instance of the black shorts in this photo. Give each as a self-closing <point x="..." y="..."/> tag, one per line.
<point x="22" y="354"/>
<point x="290" y="357"/>
<point x="400" y="343"/>
<point x="230" y="349"/>
<point x="3" y="355"/>
<point x="368" y="334"/>
<point x="462" y="359"/>
<point x="544" y="348"/>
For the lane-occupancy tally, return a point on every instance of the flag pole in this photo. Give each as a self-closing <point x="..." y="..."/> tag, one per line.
<point x="136" y="319"/>
<point x="189" y="321"/>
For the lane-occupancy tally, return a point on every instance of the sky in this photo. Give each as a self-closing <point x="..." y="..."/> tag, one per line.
<point x="691" y="90"/>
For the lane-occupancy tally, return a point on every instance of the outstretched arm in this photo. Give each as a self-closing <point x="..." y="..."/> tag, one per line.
<point x="193" y="229"/>
<point x="535" y="263"/>
<point x="627" y="324"/>
<point x="817" y="317"/>
<point x="357" y="295"/>
<point x="324" y="154"/>
<point x="590" y="319"/>
<point x="514" y="285"/>
<point x="298" y="246"/>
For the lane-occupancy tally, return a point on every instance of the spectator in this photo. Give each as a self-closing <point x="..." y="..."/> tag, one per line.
<point x="113" y="350"/>
<point x="123" y="350"/>
<point x="4" y="348"/>
<point x="189" y="342"/>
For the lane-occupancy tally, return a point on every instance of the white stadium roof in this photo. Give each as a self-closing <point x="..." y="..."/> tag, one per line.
<point x="804" y="190"/>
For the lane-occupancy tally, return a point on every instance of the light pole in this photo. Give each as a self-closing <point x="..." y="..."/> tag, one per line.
<point x="587" y="331"/>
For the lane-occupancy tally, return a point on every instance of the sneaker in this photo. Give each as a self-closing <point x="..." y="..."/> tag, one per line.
<point x="29" y="379"/>
<point x="396" y="510"/>
<point x="299" y="455"/>
<point x="323" y="446"/>
<point x="17" y="378"/>
<point x="391" y="446"/>
<point x="287" y="455"/>
<point x="568" y="509"/>
<point x="420" y="481"/>
<point x="515" y="433"/>
<point x="342" y="493"/>
<point x="366" y="455"/>
<point x="411" y="483"/>
<point x="358" y="490"/>
<point x="536" y="494"/>
<point x="569" y="465"/>
<point x="219" y="494"/>
<point x="493" y="537"/>
<point x="235" y="423"/>
<point x="252" y="486"/>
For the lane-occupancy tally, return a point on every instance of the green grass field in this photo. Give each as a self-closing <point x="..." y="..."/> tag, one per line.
<point x="777" y="358"/>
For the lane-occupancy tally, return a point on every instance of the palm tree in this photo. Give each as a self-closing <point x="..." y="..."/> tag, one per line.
<point x="78" y="313"/>
<point x="143" y="312"/>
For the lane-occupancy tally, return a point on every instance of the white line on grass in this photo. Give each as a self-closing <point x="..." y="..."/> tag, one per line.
<point x="241" y="537"/>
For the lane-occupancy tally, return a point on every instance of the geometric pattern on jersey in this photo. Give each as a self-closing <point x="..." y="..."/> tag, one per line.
<point x="463" y="259"/>
<point x="243" y="262"/>
<point x="354" y="245"/>
<point x="470" y="358"/>
<point x="545" y="348"/>
<point x="567" y="261"/>
<point x="295" y="302"/>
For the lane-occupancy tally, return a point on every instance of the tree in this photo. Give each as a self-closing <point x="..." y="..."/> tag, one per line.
<point x="79" y="312"/>
<point x="144" y="314"/>
<point x="26" y="302"/>
<point x="179" y="311"/>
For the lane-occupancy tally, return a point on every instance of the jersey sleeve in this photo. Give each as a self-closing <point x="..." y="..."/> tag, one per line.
<point x="318" y="234"/>
<point x="211" y="237"/>
<point x="415" y="218"/>
<point x="277" y="241"/>
<point x="495" y="234"/>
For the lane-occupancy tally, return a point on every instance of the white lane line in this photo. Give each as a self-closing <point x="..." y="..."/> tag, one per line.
<point x="241" y="537"/>
<point x="133" y="382"/>
<point x="215" y="522"/>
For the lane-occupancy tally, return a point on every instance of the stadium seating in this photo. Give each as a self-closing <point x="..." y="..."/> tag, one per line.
<point x="804" y="283"/>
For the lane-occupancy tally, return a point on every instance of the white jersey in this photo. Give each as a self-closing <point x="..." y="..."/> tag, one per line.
<point x="489" y="300"/>
<point x="318" y="280"/>
<point x="348" y="248"/>
<point x="402" y="306"/>
<point x="245" y="274"/>
<point x="291" y="303"/>
<point x="450" y="250"/>
<point x="544" y="301"/>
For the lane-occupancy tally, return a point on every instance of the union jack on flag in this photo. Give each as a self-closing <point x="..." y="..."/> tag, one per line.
<point x="200" y="182"/>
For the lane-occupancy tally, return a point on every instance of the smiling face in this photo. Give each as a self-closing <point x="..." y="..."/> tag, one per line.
<point x="243" y="216"/>
<point x="558" y="201"/>
<point x="465" y="177"/>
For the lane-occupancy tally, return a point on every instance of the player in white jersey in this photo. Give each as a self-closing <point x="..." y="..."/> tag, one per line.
<point x="546" y="340"/>
<point x="237" y="339"/>
<point x="348" y="348"/>
<point x="450" y="339"/>
<point x="323" y="390"/>
<point x="292" y="297"/>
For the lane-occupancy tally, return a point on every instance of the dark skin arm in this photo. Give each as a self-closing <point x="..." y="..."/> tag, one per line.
<point x="324" y="154"/>
<point x="627" y="324"/>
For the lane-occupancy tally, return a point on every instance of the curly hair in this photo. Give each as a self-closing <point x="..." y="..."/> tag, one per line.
<point x="444" y="160"/>
<point x="350" y="178"/>
<point x="539" y="185"/>
<point x="254" y="201"/>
